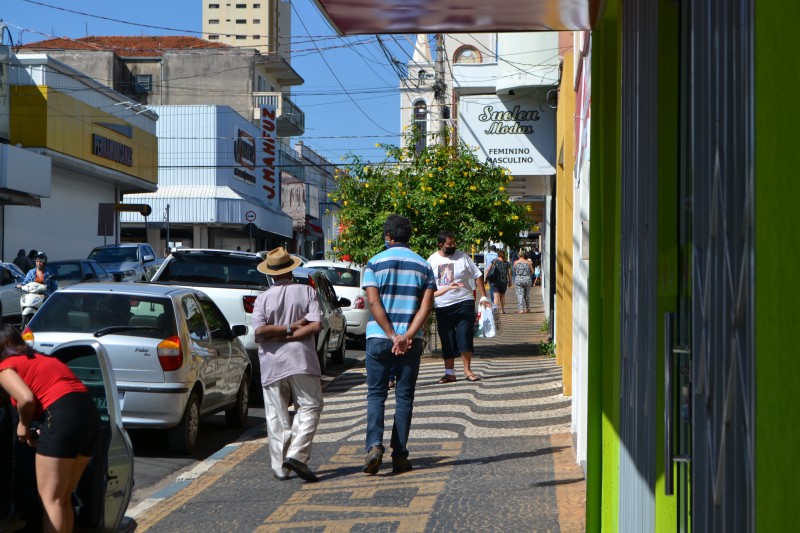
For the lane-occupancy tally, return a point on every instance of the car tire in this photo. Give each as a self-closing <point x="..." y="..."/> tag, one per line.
<point x="183" y="437"/>
<point x="337" y="356"/>
<point x="236" y="416"/>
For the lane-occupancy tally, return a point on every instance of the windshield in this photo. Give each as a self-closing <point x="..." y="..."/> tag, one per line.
<point x="77" y="312"/>
<point x="221" y="269"/>
<point x="115" y="255"/>
<point x="343" y="277"/>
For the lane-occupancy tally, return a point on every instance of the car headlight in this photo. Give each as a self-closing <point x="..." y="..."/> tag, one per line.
<point x="125" y="275"/>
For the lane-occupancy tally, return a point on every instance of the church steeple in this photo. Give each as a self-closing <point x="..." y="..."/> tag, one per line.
<point x="422" y="50"/>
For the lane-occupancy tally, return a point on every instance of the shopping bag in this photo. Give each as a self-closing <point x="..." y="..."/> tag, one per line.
<point x="478" y="330"/>
<point x="487" y="323"/>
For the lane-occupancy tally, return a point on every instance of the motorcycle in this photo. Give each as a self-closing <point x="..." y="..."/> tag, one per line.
<point x="33" y="296"/>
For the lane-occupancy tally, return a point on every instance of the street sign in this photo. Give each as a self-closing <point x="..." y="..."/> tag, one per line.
<point x="250" y="216"/>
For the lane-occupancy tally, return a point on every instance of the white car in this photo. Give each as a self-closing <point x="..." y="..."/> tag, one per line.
<point x="346" y="280"/>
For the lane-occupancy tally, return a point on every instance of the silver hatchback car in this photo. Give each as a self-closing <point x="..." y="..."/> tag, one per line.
<point x="175" y="357"/>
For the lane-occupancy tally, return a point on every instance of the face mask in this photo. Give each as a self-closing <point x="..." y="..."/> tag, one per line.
<point x="449" y="250"/>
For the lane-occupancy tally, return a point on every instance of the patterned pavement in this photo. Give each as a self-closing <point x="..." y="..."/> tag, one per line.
<point x="494" y="455"/>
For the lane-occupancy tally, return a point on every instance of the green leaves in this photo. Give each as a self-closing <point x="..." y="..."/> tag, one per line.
<point x="442" y="187"/>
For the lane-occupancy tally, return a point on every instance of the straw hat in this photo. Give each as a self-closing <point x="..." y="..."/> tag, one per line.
<point x="279" y="262"/>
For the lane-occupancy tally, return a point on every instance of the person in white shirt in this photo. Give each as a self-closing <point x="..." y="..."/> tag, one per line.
<point x="454" y="304"/>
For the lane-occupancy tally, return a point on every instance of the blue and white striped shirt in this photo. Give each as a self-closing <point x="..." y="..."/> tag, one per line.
<point x="401" y="277"/>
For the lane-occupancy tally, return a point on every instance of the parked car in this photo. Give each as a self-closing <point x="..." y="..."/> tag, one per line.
<point x="346" y="280"/>
<point x="72" y="271"/>
<point x="14" y="268"/>
<point x="9" y="295"/>
<point x="175" y="356"/>
<point x="230" y="278"/>
<point x="334" y="325"/>
<point x="127" y="261"/>
<point x="107" y="484"/>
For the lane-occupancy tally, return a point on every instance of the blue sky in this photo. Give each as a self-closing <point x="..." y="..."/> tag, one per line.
<point x="346" y="112"/>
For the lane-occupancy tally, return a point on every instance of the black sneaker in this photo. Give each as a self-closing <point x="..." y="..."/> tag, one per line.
<point x="400" y="465"/>
<point x="300" y="469"/>
<point x="374" y="460"/>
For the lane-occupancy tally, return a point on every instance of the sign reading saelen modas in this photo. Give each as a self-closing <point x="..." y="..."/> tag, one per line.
<point x="518" y="133"/>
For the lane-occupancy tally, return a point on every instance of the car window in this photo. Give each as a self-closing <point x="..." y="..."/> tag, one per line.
<point x="194" y="319"/>
<point x="87" y="271"/>
<point x="220" y="269"/>
<point x="345" y="277"/>
<point x="87" y="369"/>
<point x="115" y="255"/>
<point x="77" y="312"/>
<point x="220" y="330"/>
<point x="6" y="278"/>
<point x="65" y="270"/>
<point x="99" y="273"/>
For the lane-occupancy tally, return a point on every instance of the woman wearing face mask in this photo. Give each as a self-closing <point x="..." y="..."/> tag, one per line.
<point x="454" y="304"/>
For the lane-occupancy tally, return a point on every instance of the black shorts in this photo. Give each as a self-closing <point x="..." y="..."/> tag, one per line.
<point x="456" y="324"/>
<point x="69" y="427"/>
<point x="499" y="288"/>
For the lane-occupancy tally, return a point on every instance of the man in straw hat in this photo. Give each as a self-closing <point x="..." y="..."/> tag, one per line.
<point x="286" y="317"/>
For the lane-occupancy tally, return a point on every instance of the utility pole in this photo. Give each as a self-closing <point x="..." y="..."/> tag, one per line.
<point x="440" y="89"/>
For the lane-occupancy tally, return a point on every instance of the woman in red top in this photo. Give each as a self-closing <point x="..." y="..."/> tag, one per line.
<point x="43" y="388"/>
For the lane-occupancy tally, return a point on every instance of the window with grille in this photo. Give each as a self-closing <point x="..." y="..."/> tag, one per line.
<point x="144" y="84"/>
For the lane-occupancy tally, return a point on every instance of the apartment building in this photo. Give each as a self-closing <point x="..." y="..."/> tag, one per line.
<point x="265" y="25"/>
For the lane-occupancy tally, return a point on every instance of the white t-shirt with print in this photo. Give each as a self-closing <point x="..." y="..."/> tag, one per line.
<point x="447" y="269"/>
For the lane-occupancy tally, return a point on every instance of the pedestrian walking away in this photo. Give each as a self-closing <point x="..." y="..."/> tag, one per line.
<point x="45" y="390"/>
<point x="488" y="258"/>
<point x="286" y="318"/>
<point x="499" y="280"/>
<point x="400" y="286"/>
<point x="522" y="282"/>
<point x="454" y="304"/>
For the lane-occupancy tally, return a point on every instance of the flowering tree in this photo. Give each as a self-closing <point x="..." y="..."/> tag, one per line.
<point x="441" y="188"/>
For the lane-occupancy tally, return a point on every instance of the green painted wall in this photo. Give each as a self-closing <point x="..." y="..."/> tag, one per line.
<point x="604" y="370"/>
<point x="668" y="267"/>
<point x="777" y="262"/>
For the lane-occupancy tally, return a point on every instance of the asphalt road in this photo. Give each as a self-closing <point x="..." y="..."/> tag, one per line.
<point x="155" y="465"/>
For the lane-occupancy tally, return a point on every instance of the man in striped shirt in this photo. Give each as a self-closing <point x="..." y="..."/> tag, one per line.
<point x="400" y="286"/>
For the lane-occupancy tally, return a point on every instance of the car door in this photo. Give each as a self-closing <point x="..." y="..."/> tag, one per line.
<point x="230" y="371"/>
<point x="87" y="274"/>
<point x="203" y="352"/>
<point x="107" y="484"/>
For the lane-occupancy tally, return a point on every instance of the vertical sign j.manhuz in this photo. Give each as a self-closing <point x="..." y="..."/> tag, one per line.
<point x="266" y="169"/>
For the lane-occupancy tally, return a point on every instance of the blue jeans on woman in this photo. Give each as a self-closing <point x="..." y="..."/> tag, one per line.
<point x="380" y="361"/>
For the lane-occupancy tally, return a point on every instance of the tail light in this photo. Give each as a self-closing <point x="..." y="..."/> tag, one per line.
<point x="170" y="355"/>
<point x="247" y="302"/>
<point x="360" y="303"/>
<point x="27" y="335"/>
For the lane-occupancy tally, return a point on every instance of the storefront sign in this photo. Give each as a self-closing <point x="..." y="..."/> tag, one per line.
<point x="510" y="131"/>
<point x="112" y="150"/>
<point x="244" y="154"/>
<point x="268" y="149"/>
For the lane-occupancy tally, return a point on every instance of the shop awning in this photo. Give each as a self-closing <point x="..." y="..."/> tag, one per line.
<point x="353" y="17"/>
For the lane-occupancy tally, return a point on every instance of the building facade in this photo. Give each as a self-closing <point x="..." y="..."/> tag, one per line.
<point x="78" y="147"/>
<point x="265" y="25"/>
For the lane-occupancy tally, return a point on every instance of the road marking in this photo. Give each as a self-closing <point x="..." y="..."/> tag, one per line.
<point x="425" y="485"/>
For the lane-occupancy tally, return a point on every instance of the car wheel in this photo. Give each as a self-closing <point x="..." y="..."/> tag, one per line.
<point x="183" y="437"/>
<point x="337" y="356"/>
<point x="236" y="416"/>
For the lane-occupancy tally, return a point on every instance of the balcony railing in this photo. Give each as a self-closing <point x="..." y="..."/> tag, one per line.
<point x="291" y="119"/>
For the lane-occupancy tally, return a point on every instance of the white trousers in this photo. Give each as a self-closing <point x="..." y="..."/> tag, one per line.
<point x="287" y="437"/>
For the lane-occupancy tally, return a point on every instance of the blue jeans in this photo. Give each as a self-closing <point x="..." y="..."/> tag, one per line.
<point x="379" y="362"/>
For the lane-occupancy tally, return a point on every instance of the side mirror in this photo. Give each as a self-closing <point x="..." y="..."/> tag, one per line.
<point x="344" y="302"/>
<point x="239" y="330"/>
<point x="148" y="258"/>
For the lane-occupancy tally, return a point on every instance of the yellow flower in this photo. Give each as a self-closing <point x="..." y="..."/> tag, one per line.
<point x="466" y="173"/>
<point x="515" y="217"/>
<point x="377" y="145"/>
<point x="366" y="185"/>
<point x="472" y="188"/>
<point x="345" y="202"/>
<point x="528" y="208"/>
<point x="477" y="241"/>
<point x="404" y="193"/>
<point x="440" y="169"/>
<point x="441" y="201"/>
<point x="416" y="212"/>
<point x="430" y="188"/>
<point x="430" y="174"/>
<point x="501" y="188"/>
<point x="500" y="233"/>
